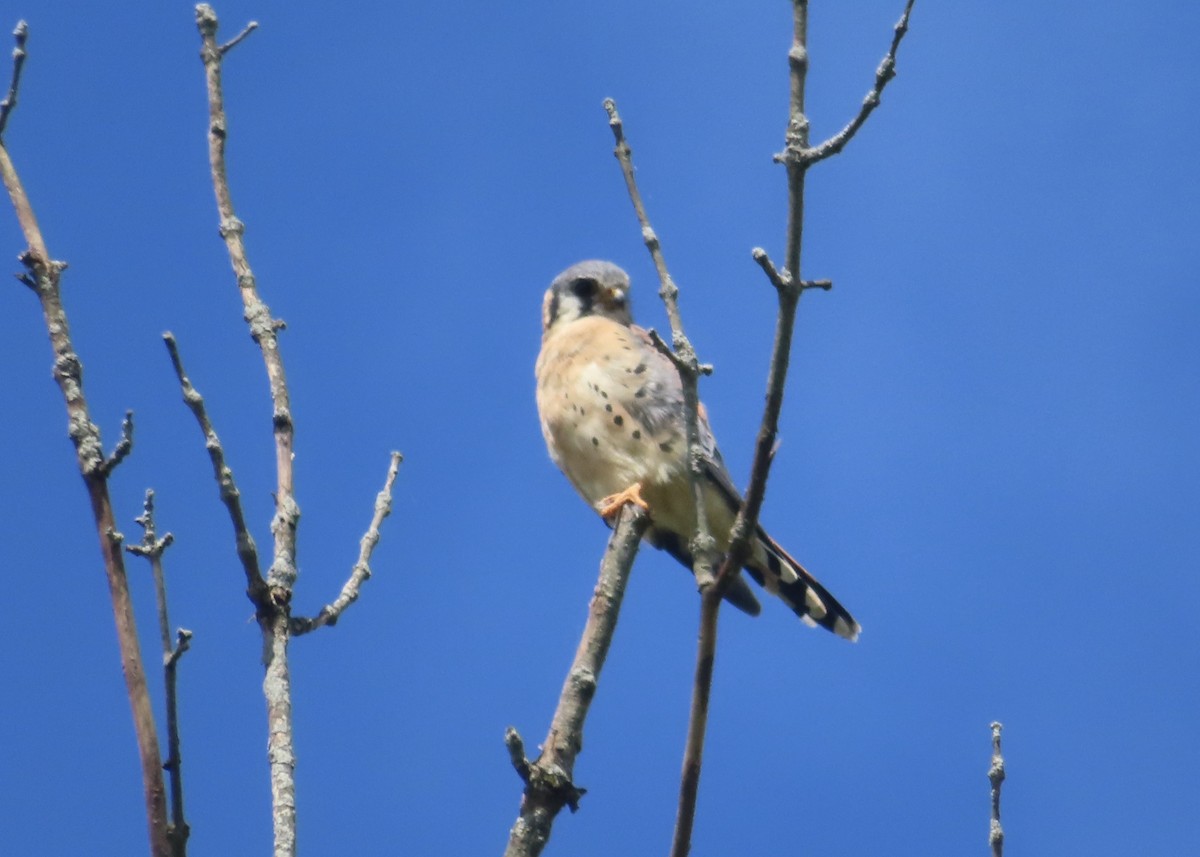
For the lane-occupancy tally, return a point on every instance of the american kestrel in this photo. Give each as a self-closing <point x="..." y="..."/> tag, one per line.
<point x="611" y="408"/>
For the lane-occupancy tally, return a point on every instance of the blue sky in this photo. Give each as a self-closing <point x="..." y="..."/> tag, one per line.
<point x="988" y="447"/>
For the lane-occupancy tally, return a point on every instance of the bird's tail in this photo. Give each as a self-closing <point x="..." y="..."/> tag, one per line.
<point x="778" y="573"/>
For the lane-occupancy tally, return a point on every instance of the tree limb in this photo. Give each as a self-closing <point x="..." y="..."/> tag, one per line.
<point x="43" y="275"/>
<point x="885" y="72"/>
<point x="703" y="546"/>
<point x="788" y="287"/>
<point x="274" y="605"/>
<point x="361" y="572"/>
<point x="152" y="548"/>
<point x="548" y="780"/>
<point x="231" y="497"/>
<point x="996" y="777"/>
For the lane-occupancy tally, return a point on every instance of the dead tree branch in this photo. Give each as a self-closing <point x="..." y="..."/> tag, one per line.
<point x="272" y="604"/>
<point x="789" y="286"/>
<point x="549" y="784"/>
<point x="996" y="777"/>
<point x="43" y="274"/>
<point x="683" y="356"/>
<point x="361" y="572"/>
<point x="21" y="35"/>
<point x="885" y="72"/>
<point x="272" y="597"/>
<point x="152" y="549"/>
<point x="247" y="550"/>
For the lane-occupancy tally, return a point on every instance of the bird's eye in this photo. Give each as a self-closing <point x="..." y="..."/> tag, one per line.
<point x="584" y="287"/>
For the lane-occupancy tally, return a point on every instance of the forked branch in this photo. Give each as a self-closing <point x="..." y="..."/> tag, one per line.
<point x="43" y="275"/>
<point x="152" y="548"/>
<point x="789" y="286"/>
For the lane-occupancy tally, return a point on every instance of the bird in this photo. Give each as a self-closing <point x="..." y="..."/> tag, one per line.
<point x="612" y="414"/>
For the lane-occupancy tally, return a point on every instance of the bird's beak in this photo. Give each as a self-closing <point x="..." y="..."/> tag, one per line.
<point x="614" y="296"/>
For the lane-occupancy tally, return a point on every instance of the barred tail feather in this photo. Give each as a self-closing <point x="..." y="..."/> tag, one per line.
<point x="776" y="571"/>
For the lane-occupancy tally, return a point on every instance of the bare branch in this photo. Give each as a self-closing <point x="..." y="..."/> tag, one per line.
<point x="549" y="785"/>
<point x="996" y="776"/>
<point x="153" y="548"/>
<point x="124" y="445"/>
<point x="361" y="572"/>
<point x="43" y="275"/>
<point x="20" y="35"/>
<point x="745" y="524"/>
<point x="703" y="546"/>
<point x="693" y="752"/>
<point x="789" y="286"/>
<point x="885" y="72"/>
<point x="247" y="550"/>
<point x="239" y="38"/>
<point x="183" y="642"/>
<point x="263" y="328"/>
<point x="516" y="753"/>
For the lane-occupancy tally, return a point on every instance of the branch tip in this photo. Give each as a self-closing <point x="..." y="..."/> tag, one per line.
<point x="123" y="448"/>
<point x="516" y="753"/>
<point x="20" y="36"/>
<point x="239" y="38"/>
<point x="996" y="777"/>
<point x="883" y="75"/>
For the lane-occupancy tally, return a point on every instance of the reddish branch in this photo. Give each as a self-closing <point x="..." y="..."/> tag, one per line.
<point x="43" y="275"/>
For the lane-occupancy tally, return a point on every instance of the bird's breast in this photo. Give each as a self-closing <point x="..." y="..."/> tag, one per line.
<point x="606" y="421"/>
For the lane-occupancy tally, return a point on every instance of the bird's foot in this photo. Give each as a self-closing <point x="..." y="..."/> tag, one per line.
<point x="610" y="506"/>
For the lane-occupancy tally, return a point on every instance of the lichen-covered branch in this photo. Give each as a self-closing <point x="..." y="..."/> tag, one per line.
<point x="274" y="605"/>
<point x="361" y="572"/>
<point x="43" y="275"/>
<point x="549" y="783"/>
<point x="996" y="777"/>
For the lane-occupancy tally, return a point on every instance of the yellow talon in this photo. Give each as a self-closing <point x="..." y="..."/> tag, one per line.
<point x="611" y="505"/>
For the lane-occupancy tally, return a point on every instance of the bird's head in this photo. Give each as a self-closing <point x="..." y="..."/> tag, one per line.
<point x="585" y="289"/>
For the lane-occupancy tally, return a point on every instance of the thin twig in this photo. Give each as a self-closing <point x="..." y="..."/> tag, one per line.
<point x="152" y="548"/>
<point x="20" y="35"/>
<point x="703" y="546"/>
<point x="548" y="780"/>
<point x="996" y="776"/>
<point x="124" y="445"/>
<point x="43" y="275"/>
<point x="239" y="38"/>
<point x="885" y="72"/>
<point x="274" y="610"/>
<point x="361" y="572"/>
<point x="231" y="497"/>
<point x="789" y="286"/>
